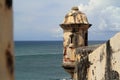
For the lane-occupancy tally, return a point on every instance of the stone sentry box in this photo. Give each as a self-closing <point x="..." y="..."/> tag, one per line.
<point x="75" y="34"/>
<point x="94" y="62"/>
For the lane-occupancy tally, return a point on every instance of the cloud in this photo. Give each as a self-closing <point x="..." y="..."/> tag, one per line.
<point x="37" y="18"/>
<point x="104" y="15"/>
<point x="40" y="19"/>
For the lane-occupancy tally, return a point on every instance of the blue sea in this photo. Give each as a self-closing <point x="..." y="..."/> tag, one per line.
<point x="40" y="60"/>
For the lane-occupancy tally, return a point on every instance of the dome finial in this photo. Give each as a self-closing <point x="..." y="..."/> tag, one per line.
<point x="75" y="8"/>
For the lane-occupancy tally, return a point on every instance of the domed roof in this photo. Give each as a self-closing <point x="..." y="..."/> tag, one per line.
<point x="75" y="16"/>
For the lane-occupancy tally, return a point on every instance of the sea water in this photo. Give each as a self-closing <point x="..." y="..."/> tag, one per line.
<point x="40" y="60"/>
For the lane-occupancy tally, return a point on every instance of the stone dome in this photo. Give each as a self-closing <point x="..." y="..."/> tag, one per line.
<point x="75" y="17"/>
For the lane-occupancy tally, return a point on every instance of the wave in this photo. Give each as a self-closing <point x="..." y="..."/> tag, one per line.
<point x="66" y="79"/>
<point x="37" y="54"/>
<point x="63" y="79"/>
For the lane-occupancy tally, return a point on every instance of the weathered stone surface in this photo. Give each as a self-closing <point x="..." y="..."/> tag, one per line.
<point x="87" y="49"/>
<point x="75" y="16"/>
<point x="6" y="41"/>
<point x="105" y="61"/>
<point x="97" y="68"/>
<point x="88" y="63"/>
<point x="75" y="28"/>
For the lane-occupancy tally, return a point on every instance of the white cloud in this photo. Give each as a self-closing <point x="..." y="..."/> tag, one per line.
<point x="43" y="17"/>
<point x="36" y="17"/>
<point x="104" y="14"/>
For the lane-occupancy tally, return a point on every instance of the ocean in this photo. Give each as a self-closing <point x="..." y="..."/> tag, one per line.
<point x="40" y="60"/>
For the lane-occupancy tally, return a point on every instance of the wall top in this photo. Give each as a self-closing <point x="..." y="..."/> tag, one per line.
<point x="75" y="17"/>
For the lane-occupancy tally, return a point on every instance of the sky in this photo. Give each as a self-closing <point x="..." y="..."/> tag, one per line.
<point x="38" y="20"/>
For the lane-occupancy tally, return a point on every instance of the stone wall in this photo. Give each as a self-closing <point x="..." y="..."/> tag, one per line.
<point x="6" y="41"/>
<point x="101" y="64"/>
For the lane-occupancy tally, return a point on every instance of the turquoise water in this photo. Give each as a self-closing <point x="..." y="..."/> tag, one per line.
<point x="40" y="60"/>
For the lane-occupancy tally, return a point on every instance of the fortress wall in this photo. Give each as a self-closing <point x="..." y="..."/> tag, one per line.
<point x="101" y="64"/>
<point x="6" y="41"/>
